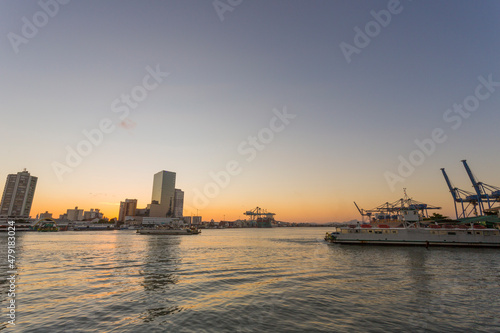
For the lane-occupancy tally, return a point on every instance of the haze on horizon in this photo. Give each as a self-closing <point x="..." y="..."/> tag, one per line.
<point x="306" y="105"/>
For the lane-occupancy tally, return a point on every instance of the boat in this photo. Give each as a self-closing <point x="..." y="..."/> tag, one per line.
<point x="48" y="226"/>
<point x="93" y="227"/>
<point x="168" y="231"/>
<point x="414" y="230"/>
<point x="129" y="227"/>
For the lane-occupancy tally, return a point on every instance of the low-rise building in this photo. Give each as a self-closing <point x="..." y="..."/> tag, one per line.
<point x="45" y="215"/>
<point x="92" y="214"/>
<point x="74" y="214"/>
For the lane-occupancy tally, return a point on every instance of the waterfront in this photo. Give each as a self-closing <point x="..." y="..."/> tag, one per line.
<point x="247" y="280"/>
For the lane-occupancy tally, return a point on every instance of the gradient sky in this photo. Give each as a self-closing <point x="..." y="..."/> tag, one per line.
<point x="353" y="120"/>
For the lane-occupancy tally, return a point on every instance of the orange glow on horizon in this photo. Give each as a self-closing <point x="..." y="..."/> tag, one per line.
<point x="330" y="201"/>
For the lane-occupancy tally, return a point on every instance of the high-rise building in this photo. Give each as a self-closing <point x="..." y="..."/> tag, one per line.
<point x="127" y="208"/>
<point x="178" y="203"/>
<point x="18" y="195"/>
<point x="162" y="199"/>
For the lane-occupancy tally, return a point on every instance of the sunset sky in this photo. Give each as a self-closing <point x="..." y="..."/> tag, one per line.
<point x="310" y="104"/>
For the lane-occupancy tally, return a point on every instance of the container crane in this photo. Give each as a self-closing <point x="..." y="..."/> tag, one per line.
<point x="476" y="186"/>
<point x="258" y="213"/>
<point x="363" y="213"/>
<point x="393" y="210"/>
<point x="461" y="196"/>
<point x="260" y="218"/>
<point x="486" y="193"/>
<point x="404" y="204"/>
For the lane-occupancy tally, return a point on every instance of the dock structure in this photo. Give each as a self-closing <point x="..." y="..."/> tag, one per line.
<point x="258" y="212"/>
<point x="391" y="213"/>
<point x="468" y="204"/>
<point x="261" y="217"/>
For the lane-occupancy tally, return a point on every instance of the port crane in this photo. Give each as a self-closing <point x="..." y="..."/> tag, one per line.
<point x="363" y="213"/>
<point x="467" y="200"/>
<point x="391" y="210"/>
<point x="487" y="194"/>
<point x="258" y="213"/>
<point x="472" y="203"/>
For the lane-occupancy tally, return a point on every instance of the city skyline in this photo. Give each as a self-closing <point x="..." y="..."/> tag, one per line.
<point x="163" y="181"/>
<point x="298" y="107"/>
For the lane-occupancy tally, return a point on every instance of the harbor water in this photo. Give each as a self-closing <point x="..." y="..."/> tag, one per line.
<point x="246" y="280"/>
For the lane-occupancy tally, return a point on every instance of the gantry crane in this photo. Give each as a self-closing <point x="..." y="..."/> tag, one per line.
<point x="487" y="194"/>
<point x="463" y="197"/>
<point x="258" y="212"/>
<point x="398" y="207"/>
<point x="363" y="213"/>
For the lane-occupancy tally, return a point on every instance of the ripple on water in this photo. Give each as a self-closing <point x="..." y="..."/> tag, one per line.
<point x="248" y="280"/>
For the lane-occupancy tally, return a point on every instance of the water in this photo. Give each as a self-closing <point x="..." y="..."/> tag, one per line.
<point x="247" y="280"/>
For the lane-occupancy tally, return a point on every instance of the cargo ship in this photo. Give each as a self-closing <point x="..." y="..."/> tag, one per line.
<point x="409" y="227"/>
<point x="159" y="230"/>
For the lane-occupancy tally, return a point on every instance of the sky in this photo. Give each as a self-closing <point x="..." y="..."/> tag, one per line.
<point x="297" y="107"/>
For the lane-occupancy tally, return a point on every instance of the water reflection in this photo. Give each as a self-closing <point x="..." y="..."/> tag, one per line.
<point x="158" y="280"/>
<point x="417" y="272"/>
<point x="151" y="314"/>
<point x="161" y="262"/>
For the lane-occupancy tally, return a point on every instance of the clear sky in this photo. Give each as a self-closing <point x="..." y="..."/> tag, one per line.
<point x="311" y="104"/>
